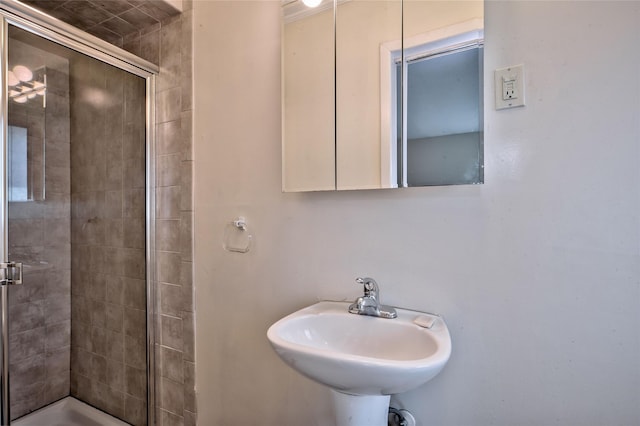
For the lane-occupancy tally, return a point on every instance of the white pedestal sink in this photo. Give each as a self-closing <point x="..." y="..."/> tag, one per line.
<point x="362" y="359"/>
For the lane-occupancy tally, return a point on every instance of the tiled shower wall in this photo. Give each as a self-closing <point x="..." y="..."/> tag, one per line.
<point x="110" y="20"/>
<point x="39" y="236"/>
<point x="169" y="46"/>
<point x="108" y="314"/>
<point x="167" y="43"/>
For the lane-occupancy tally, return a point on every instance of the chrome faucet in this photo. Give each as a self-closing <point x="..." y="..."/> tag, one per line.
<point x="369" y="304"/>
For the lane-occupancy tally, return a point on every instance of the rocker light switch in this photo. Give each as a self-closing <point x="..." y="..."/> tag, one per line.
<point x="509" y="86"/>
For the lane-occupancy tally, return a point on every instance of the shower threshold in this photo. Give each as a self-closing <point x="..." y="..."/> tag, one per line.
<point x="68" y="412"/>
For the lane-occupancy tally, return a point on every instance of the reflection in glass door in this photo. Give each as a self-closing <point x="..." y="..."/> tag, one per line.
<point x="76" y="221"/>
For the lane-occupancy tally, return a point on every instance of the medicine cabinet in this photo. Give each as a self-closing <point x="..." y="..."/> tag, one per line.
<point x="381" y="94"/>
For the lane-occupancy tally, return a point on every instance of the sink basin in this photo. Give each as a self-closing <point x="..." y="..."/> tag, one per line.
<point x="362" y="355"/>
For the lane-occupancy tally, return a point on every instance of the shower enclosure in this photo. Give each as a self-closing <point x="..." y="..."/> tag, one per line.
<point x="77" y="196"/>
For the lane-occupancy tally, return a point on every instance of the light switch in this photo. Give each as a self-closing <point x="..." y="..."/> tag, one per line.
<point x="509" y="87"/>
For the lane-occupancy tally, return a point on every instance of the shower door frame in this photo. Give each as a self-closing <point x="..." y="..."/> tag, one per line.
<point x="47" y="27"/>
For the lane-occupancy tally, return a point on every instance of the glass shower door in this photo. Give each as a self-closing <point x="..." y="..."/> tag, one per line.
<point x="75" y="202"/>
<point x="39" y="229"/>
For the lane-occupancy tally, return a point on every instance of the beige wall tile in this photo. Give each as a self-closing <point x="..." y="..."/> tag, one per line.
<point x="115" y="345"/>
<point x="134" y="235"/>
<point x="114" y="315"/>
<point x="186" y="52"/>
<point x="168" y="105"/>
<point x="169" y="264"/>
<point x="28" y="293"/>
<point x="135" y="323"/>
<point x="188" y="336"/>
<point x="170" y="419"/>
<point x="168" y="235"/>
<point x="186" y="185"/>
<point x="189" y="386"/>
<point x="57" y="309"/>
<point x="187" y="134"/>
<point x="20" y="210"/>
<point x="115" y="375"/>
<point x="189" y="418"/>
<point x="171" y="332"/>
<point x="172" y="398"/>
<point x="26" y="232"/>
<point x="168" y="137"/>
<point x="186" y="232"/>
<point x="136" y="382"/>
<point x="57" y="386"/>
<point x="135" y="352"/>
<point x="168" y="169"/>
<point x="58" y="336"/>
<point x="26" y="316"/>
<point x="135" y="293"/>
<point x="98" y="340"/>
<point x="171" y="301"/>
<point x="168" y="202"/>
<point x="135" y="410"/>
<point x="171" y="364"/>
<point x="115" y="290"/>
<point x="150" y="46"/>
<point x="170" y="56"/>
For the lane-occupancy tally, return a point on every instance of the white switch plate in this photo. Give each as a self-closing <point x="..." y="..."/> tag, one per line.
<point x="509" y="87"/>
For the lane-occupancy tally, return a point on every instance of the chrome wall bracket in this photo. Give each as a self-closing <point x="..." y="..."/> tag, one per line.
<point x="10" y="273"/>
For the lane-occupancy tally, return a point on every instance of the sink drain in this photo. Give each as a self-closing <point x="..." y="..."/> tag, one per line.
<point x="400" y="418"/>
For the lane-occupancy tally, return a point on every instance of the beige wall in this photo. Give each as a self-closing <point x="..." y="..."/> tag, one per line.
<point x="536" y="271"/>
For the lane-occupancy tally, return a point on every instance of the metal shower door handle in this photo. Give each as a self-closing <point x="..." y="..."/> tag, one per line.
<point x="11" y="273"/>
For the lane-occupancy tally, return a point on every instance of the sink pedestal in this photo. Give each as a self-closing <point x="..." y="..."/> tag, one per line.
<point x="360" y="410"/>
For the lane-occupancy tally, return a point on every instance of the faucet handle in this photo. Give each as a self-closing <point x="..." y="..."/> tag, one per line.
<point x="369" y="303"/>
<point x="370" y="286"/>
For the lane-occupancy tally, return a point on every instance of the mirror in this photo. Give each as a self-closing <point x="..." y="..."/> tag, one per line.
<point x="362" y="27"/>
<point x="27" y="123"/>
<point x="308" y="98"/>
<point x="397" y="103"/>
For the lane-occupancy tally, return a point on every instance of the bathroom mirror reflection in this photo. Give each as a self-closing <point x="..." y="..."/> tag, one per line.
<point x="389" y="117"/>
<point x="362" y="27"/>
<point x="308" y="93"/>
<point x="26" y="132"/>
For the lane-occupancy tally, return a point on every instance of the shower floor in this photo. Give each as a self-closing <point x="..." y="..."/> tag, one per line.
<point x="68" y="412"/>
